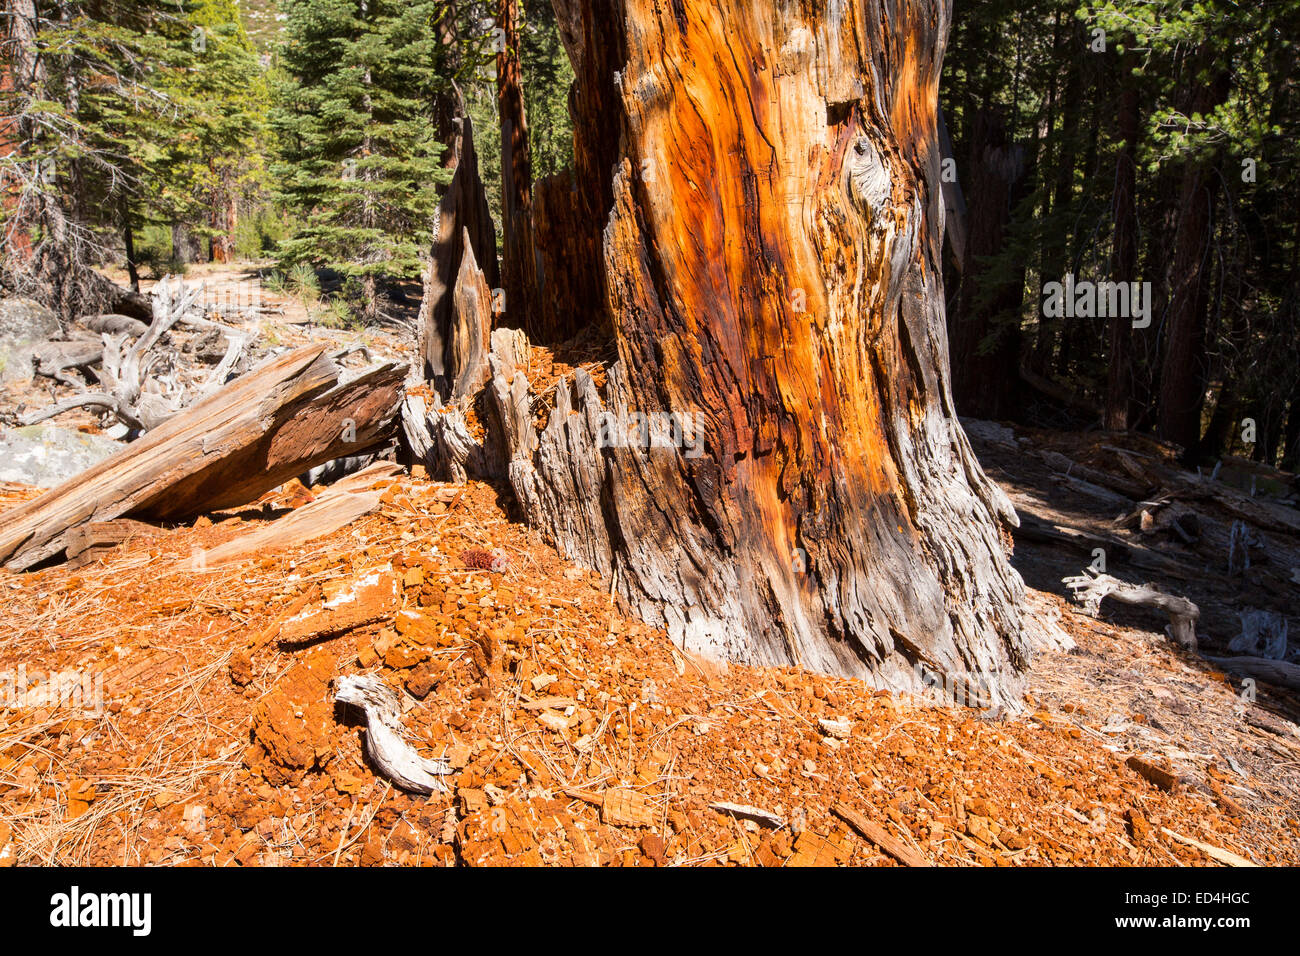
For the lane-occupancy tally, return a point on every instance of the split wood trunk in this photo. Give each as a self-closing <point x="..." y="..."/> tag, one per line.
<point x="774" y="470"/>
<point x="464" y="227"/>
<point x="256" y="433"/>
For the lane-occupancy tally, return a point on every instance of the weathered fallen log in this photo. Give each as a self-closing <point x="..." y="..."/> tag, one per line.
<point x="1281" y="673"/>
<point x="1091" y="589"/>
<point x="1116" y="483"/>
<point x="249" y="437"/>
<point x="1263" y="514"/>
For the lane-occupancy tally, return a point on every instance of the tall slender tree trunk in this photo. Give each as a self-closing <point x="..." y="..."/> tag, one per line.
<point x="516" y="180"/>
<point x="128" y="241"/>
<point x="1183" y="373"/>
<point x="771" y="259"/>
<point x="1119" y="379"/>
<point x="985" y="327"/>
<point x="1054" y="257"/>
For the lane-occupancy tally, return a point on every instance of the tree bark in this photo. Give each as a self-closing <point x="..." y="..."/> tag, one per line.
<point x="985" y="327"/>
<point x="464" y="224"/>
<point x="1183" y="375"/>
<point x="516" y="180"/>
<point x="186" y="247"/>
<point x="771" y="260"/>
<point x="1119" y="380"/>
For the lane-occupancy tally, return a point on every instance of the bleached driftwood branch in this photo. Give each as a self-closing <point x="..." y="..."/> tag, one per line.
<point x="1092" y="588"/>
<point x="393" y="756"/>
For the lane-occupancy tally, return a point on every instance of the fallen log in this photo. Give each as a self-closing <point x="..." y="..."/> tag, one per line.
<point x="1092" y="588"/>
<point x="1131" y="490"/>
<point x="254" y="434"/>
<point x="1281" y="673"/>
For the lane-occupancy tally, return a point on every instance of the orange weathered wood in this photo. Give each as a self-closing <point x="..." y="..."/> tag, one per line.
<point x="764" y="189"/>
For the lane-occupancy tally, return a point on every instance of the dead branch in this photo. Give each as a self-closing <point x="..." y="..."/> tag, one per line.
<point x="1091" y="589"/>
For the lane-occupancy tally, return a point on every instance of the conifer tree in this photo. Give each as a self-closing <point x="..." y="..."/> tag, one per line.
<point x="358" y="145"/>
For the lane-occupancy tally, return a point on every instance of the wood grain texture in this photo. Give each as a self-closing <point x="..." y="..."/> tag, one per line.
<point x="770" y="232"/>
<point x="259" y="431"/>
<point x="464" y="222"/>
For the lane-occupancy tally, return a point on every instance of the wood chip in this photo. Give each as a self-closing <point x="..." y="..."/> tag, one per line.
<point x="1226" y="857"/>
<point x="749" y="813"/>
<point x="879" y="836"/>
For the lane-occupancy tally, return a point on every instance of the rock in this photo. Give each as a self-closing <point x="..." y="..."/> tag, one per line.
<point x="24" y="324"/>
<point x="46" y="455"/>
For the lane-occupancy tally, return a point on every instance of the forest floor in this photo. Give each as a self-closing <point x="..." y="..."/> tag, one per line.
<point x="579" y="736"/>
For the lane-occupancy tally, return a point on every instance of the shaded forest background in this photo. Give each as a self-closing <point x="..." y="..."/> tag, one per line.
<point x="1126" y="141"/>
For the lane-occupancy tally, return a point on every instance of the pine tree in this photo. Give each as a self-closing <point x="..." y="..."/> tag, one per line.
<point x="358" y="146"/>
<point x="216" y="160"/>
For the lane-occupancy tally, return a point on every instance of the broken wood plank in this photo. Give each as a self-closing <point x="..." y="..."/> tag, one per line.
<point x="252" y="435"/>
<point x="1226" y="857"/>
<point x="342" y="504"/>
<point x="879" y="836"/>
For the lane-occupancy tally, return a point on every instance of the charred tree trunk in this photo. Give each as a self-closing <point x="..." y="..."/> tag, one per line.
<point x="798" y="489"/>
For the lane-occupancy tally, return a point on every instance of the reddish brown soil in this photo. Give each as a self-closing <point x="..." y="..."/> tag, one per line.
<point x="577" y="736"/>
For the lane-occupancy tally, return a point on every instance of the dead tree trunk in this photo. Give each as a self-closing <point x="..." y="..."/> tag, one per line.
<point x="464" y="227"/>
<point x="797" y="488"/>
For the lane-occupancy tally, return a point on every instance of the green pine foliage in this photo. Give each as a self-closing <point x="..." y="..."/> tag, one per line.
<point x="358" y="148"/>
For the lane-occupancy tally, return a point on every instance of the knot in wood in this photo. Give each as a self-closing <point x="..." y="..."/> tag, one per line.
<point x="869" y="182"/>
